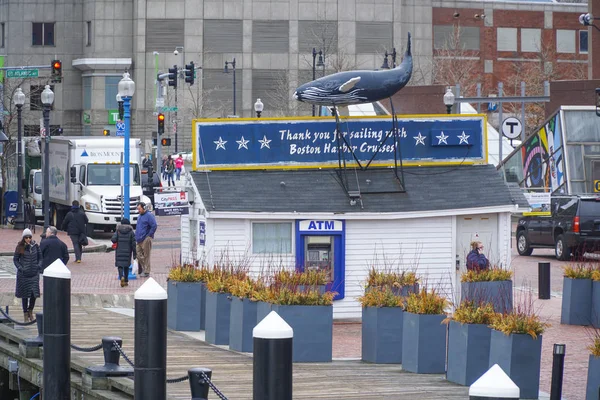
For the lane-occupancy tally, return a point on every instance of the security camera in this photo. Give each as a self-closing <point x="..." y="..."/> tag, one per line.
<point x="479" y="16"/>
<point x="176" y="52"/>
<point x="585" y="19"/>
<point x="456" y="15"/>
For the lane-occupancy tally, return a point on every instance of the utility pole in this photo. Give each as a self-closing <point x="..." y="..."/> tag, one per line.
<point x="175" y="121"/>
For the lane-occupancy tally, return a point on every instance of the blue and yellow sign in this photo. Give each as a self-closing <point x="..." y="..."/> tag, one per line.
<point x="312" y="142"/>
<point x="596" y="186"/>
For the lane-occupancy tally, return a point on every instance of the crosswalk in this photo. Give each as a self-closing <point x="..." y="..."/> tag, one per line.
<point x="6" y="274"/>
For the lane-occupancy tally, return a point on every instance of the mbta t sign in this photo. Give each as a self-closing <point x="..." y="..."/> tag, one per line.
<point x="512" y="128"/>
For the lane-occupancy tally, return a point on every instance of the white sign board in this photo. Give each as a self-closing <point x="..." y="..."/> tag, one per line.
<point x="539" y="203"/>
<point x="321" y="226"/>
<point x="171" y="203"/>
<point x="512" y="128"/>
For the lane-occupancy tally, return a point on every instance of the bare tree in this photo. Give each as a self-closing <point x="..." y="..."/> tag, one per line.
<point x="543" y="67"/>
<point x="453" y="64"/>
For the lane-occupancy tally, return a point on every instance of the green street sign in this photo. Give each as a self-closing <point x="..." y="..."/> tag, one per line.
<point x="168" y="109"/>
<point x="113" y="117"/>
<point x="22" y="73"/>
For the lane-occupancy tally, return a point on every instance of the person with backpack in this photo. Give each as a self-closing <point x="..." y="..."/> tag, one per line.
<point x="124" y="238"/>
<point x="74" y="223"/>
<point x="28" y="260"/>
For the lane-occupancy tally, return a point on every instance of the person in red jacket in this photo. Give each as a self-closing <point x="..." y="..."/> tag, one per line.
<point x="179" y="166"/>
<point x="476" y="260"/>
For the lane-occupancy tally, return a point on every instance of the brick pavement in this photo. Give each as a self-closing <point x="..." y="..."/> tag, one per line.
<point x="97" y="275"/>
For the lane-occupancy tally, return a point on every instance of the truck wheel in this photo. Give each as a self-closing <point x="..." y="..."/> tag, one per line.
<point x="523" y="247"/>
<point x="561" y="250"/>
<point x="89" y="230"/>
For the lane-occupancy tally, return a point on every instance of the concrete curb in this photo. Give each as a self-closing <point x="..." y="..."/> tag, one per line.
<point x="99" y="248"/>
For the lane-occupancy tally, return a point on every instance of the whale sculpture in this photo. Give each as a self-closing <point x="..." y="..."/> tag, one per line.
<point x="357" y="87"/>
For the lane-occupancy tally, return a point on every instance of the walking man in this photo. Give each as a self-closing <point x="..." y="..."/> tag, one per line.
<point x="144" y="234"/>
<point x="74" y="224"/>
<point x="53" y="248"/>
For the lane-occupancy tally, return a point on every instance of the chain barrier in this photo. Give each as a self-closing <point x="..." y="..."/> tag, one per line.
<point x="120" y="350"/>
<point x="213" y="387"/>
<point x="86" y="349"/>
<point x="177" y="380"/>
<point x="17" y="322"/>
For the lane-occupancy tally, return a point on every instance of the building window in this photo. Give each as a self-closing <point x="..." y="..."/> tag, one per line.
<point x="88" y="33"/>
<point x="565" y="41"/>
<point x="507" y="39"/>
<point x="111" y="88"/>
<point x="87" y="92"/>
<point x="35" y="97"/>
<point x="583" y="41"/>
<point x="42" y="34"/>
<point x="450" y="37"/>
<point x="531" y="40"/>
<point x="2" y="31"/>
<point x="272" y="238"/>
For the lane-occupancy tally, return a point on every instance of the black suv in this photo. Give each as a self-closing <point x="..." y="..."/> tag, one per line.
<point x="572" y="228"/>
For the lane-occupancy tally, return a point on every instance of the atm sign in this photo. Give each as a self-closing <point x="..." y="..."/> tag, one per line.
<point x="321" y="225"/>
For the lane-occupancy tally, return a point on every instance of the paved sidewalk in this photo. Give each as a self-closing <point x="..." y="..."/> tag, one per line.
<point x="9" y="238"/>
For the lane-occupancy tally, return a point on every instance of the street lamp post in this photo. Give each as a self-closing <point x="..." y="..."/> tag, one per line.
<point x="226" y="70"/>
<point x="385" y="64"/>
<point x="126" y="90"/>
<point x="47" y="100"/>
<point x="175" y="120"/>
<point x="19" y="100"/>
<point x="319" y="63"/>
<point x="258" y="107"/>
<point x="449" y="100"/>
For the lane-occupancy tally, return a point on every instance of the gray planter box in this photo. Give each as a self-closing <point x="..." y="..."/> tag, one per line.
<point x="519" y="355"/>
<point x="262" y="310"/>
<point x="593" y="379"/>
<point x="241" y="323"/>
<point x="498" y="293"/>
<point x="576" y="302"/>
<point x="202" y="306"/>
<point x="183" y="306"/>
<point x="313" y="331"/>
<point x="382" y="335"/>
<point x="218" y="310"/>
<point x="468" y="352"/>
<point x="595" y="311"/>
<point x="424" y="343"/>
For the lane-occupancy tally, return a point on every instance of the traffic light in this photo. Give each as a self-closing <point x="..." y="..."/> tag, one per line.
<point x="161" y="123"/>
<point x="106" y="132"/>
<point x="56" y="71"/>
<point x="165" y="141"/>
<point x="189" y="73"/>
<point x="173" y="76"/>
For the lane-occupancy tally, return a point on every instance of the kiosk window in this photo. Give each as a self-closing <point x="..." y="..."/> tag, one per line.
<point x="319" y="254"/>
<point x="272" y="238"/>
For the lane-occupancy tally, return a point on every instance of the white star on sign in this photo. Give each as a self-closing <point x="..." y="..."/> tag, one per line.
<point x="242" y="143"/>
<point x="264" y="142"/>
<point x="420" y="139"/>
<point x="220" y="143"/>
<point x="464" y="138"/>
<point x="442" y="138"/>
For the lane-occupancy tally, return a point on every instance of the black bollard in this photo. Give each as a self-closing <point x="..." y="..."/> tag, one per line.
<point x="544" y="280"/>
<point x="198" y="385"/>
<point x="272" y="369"/>
<point x="57" y="332"/>
<point x="558" y="364"/>
<point x="111" y="365"/>
<point x="150" y="378"/>
<point x="39" y="340"/>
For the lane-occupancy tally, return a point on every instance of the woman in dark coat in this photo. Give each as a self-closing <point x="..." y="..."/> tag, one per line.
<point x="124" y="237"/>
<point x="476" y="260"/>
<point x="28" y="261"/>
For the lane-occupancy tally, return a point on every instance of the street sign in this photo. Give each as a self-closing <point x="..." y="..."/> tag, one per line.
<point x="169" y="109"/>
<point x="22" y="73"/>
<point x="512" y="128"/>
<point x="120" y="128"/>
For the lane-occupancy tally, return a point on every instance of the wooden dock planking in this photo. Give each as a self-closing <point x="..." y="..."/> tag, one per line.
<point x="232" y="372"/>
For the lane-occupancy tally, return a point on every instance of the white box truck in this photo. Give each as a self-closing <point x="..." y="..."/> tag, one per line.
<point x="89" y="170"/>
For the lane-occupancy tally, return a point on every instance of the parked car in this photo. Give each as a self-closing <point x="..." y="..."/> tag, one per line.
<point x="573" y="227"/>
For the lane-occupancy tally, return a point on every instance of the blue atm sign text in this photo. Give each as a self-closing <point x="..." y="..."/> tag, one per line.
<point x="321" y="226"/>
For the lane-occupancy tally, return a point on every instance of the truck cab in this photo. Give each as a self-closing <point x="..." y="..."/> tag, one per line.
<point x="34" y="192"/>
